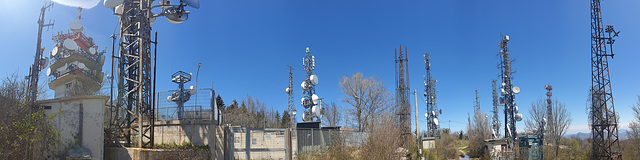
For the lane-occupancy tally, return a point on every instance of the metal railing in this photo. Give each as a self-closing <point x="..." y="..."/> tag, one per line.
<point x="203" y="109"/>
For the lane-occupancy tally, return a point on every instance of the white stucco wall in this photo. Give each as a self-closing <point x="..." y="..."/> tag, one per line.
<point x="68" y="122"/>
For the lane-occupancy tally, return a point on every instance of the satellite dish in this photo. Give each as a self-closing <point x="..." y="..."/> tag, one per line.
<point x="81" y="66"/>
<point x="294" y="112"/>
<point x="164" y="4"/>
<point x="504" y="84"/>
<point x="302" y="100"/>
<point x="515" y="109"/>
<point x="75" y="26"/>
<point x="70" y="44"/>
<point x="304" y="116"/>
<point x="315" y="98"/>
<point x="168" y="98"/>
<point x="516" y="89"/>
<point x="288" y="90"/>
<point x="192" y="3"/>
<point x="92" y="50"/>
<point x="54" y="51"/>
<point x="44" y="62"/>
<point x="304" y="85"/>
<point x="175" y="15"/>
<point x="112" y="3"/>
<point x="314" y="79"/>
<point x="506" y="37"/>
<point x="435" y="121"/>
<point x="518" y="117"/>
<point x="426" y="115"/>
<point x="49" y="72"/>
<point x="308" y="50"/>
<point x="315" y="110"/>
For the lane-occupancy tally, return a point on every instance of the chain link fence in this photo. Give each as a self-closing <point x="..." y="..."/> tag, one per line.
<point x="201" y="106"/>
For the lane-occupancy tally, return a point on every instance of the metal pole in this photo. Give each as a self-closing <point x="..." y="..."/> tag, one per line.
<point x="195" y="101"/>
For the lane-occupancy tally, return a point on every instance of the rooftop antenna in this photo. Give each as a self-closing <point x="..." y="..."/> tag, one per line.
<point x="603" y="121"/>
<point x="181" y="95"/>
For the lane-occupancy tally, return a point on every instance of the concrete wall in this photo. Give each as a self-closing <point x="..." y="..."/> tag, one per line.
<point x="80" y="119"/>
<point x="260" y="143"/>
<point x="119" y="153"/>
<point x="196" y="132"/>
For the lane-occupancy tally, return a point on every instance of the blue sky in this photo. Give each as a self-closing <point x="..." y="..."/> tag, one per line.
<point x="245" y="46"/>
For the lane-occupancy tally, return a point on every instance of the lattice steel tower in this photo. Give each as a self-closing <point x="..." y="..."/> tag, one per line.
<point x="310" y="99"/>
<point x="604" y="124"/>
<point x="511" y="114"/>
<point x="289" y="91"/>
<point x="39" y="61"/>
<point x="134" y="76"/>
<point x="430" y="99"/>
<point x="495" y="123"/>
<point x="403" y="106"/>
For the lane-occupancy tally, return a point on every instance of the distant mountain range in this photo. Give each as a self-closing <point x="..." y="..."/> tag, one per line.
<point x="622" y="134"/>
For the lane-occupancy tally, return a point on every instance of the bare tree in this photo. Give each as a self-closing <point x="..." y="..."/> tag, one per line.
<point x="332" y="114"/>
<point x="367" y="96"/>
<point x="478" y="131"/>
<point x="632" y="149"/>
<point x="556" y="127"/>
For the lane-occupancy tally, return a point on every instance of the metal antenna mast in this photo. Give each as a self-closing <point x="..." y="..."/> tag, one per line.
<point x="403" y="106"/>
<point x="134" y="76"/>
<point x="39" y="61"/>
<point x="495" y="123"/>
<point x="310" y="100"/>
<point x="430" y="99"/>
<point x="604" y="124"/>
<point x="289" y="91"/>
<point x="511" y="114"/>
<point x="476" y="104"/>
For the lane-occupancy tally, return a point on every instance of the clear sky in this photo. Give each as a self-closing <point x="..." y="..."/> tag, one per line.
<point x="245" y="46"/>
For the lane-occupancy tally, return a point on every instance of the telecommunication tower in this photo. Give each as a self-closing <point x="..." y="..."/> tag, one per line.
<point x="134" y="67"/>
<point x="476" y="104"/>
<point x="39" y="61"/>
<point x="508" y="92"/>
<point x="604" y="124"/>
<point x="430" y="99"/>
<point x="495" y="123"/>
<point x="403" y="106"/>
<point x="289" y="91"/>
<point x="310" y="101"/>
<point x="181" y="95"/>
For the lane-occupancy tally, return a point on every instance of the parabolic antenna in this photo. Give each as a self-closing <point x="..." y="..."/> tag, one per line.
<point x="175" y="15"/>
<point x="314" y="79"/>
<point x="49" y="72"/>
<point x="506" y="37"/>
<point x="518" y="117"/>
<point x="70" y="44"/>
<point x="192" y="3"/>
<point x="81" y="66"/>
<point x="164" y="4"/>
<point x="315" y="110"/>
<point x="54" y="51"/>
<point x="168" y="98"/>
<point x="426" y="115"/>
<point x="75" y="26"/>
<point x="102" y="60"/>
<point x="516" y="89"/>
<point x="294" y="112"/>
<point x="435" y="121"/>
<point x="92" y="50"/>
<point x="315" y="98"/>
<point x="44" y="62"/>
<point x="304" y="85"/>
<point x="288" y="90"/>
<point x="112" y="3"/>
<point x="515" y="109"/>
<point x="302" y="100"/>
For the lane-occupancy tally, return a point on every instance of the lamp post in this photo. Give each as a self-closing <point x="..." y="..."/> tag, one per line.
<point x="195" y="100"/>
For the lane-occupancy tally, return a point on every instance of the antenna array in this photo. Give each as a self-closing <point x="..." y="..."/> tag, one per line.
<point x="289" y="91"/>
<point x="311" y="102"/>
<point x="39" y="60"/>
<point x="511" y="114"/>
